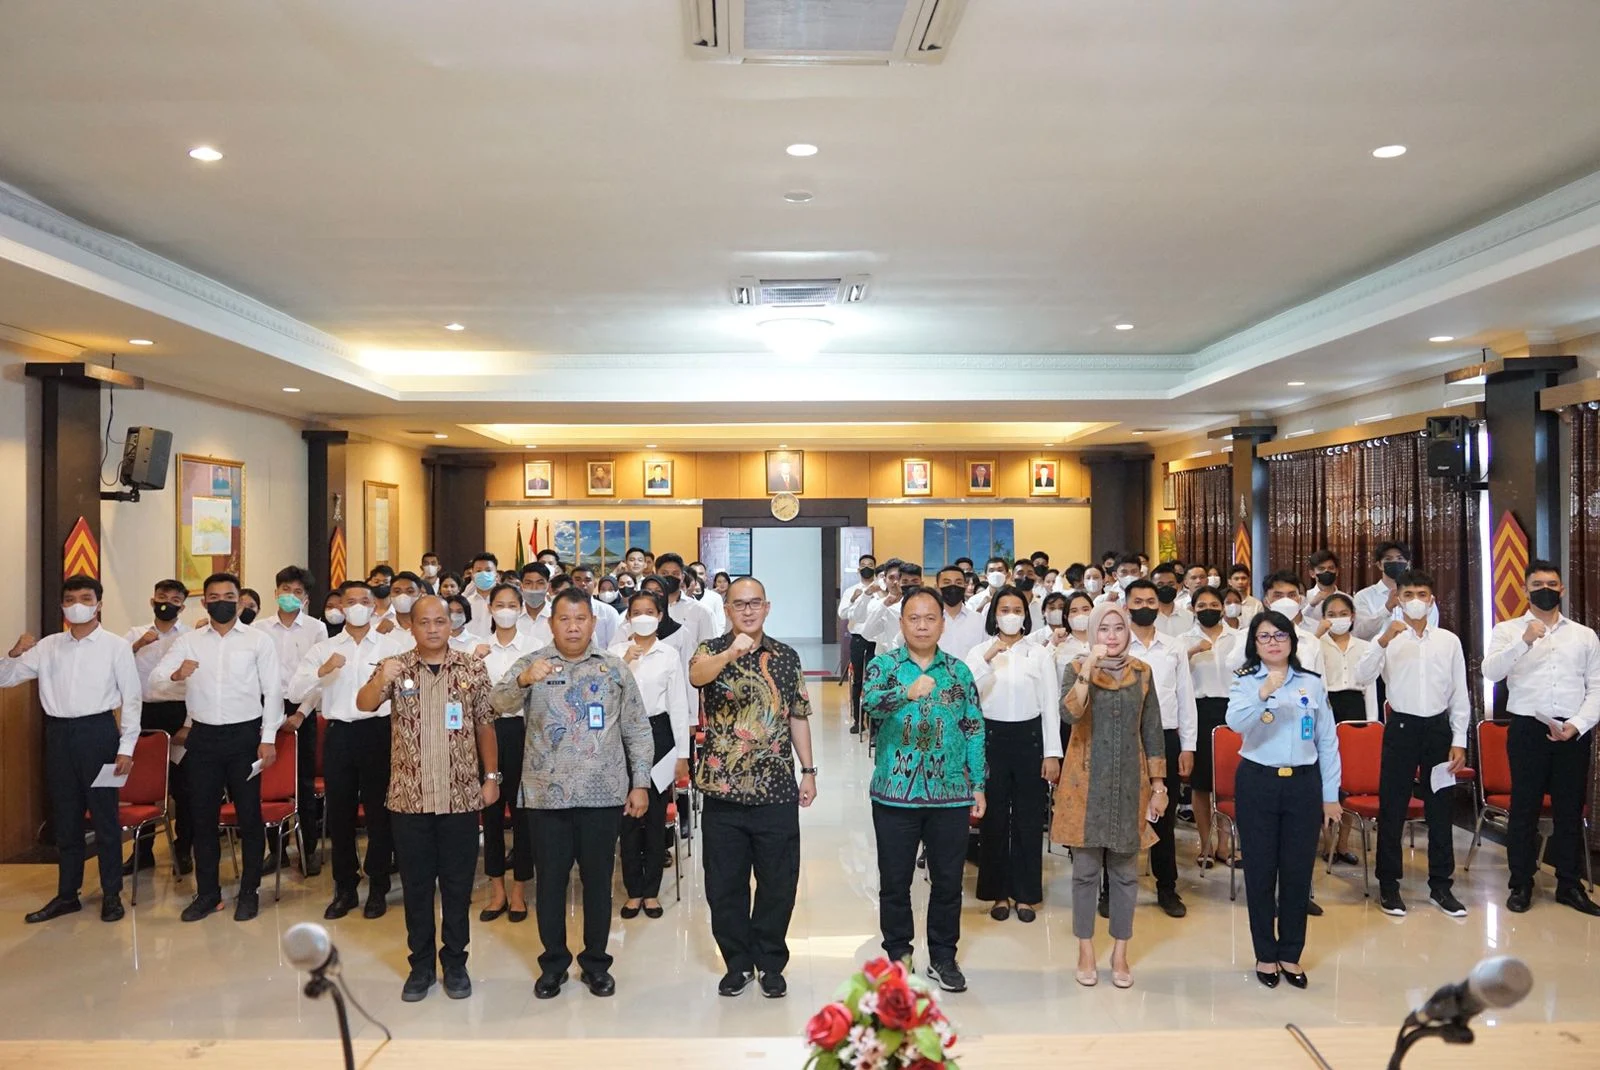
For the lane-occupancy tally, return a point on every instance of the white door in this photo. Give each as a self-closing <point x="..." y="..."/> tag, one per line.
<point x="788" y="561"/>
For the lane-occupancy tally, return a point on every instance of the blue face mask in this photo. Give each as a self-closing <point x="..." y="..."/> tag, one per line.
<point x="483" y="580"/>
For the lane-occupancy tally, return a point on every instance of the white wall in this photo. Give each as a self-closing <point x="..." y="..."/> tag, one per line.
<point x="19" y="490"/>
<point x="788" y="562"/>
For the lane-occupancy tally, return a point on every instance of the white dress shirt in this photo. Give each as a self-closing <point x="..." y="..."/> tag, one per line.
<point x="691" y="616"/>
<point x="1019" y="685"/>
<point x="1341" y="670"/>
<point x="606" y="620"/>
<point x="236" y="678"/>
<point x="1169" y="664"/>
<point x="337" y="690"/>
<point x="662" y="681"/>
<point x="961" y="633"/>
<point x="83" y="677"/>
<point x="1424" y="676"/>
<point x="1178" y="622"/>
<point x="1308" y="649"/>
<point x="847" y="601"/>
<point x="1558" y="676"/>
<point x="717" y="606"/>
<point x="482" y="622"/>
<point x="1373" y="613"/>
<point x="882" y="624"/>
<point x="1313" y="610"/>
<point x="291" y="641"/>
<point x="502" y="656"/>
<point x="1208" y="669"/>
<point x="146" y="658"/>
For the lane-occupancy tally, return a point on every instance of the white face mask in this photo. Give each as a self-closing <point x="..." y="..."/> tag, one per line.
<point x="997" y="580"/>
<point x="430" y="571"/>
<point x="1009" y="623"/>
<point x="644" y="624"/>
<point x="1125" y="582"/>
<point x="1213" y="581"/>
<point x="458" y="621"/>
<point x="78" y="613"/>
<point x="1232" y="610"/>
<point x="1080" y="622"/>
<point x="506" y="618"/>
<point x="404" y="602"/>
<point x="334" y="616"/>
<point x="608" y="596"/>
<point x="1289" y="607"/>
<point x="1415" y="608"/>
<point x="1053" y="618"/>
<point x="1340" y="625"/>
<point x="1093" y="586"/>
<point x="358" y="615"/>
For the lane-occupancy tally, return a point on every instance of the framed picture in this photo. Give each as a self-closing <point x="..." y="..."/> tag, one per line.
<point x="980" y="477"/>
<point x="210" y="519"/>
<point x="538" y="479"/>
<point x="382" y="504"/>
<point x="1046" y="481"/>
<point x="916" y="478"/>
<point x="601" y="482"/>
<point x="1169" y="493"/>
<point x="1166" y="540"/>
<point x="786" y="471"/>
<point x="657" y="479"/>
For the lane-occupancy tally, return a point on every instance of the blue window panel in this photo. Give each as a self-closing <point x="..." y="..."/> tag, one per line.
<point x="1004" y="540"/>
<point x="933" y="536"/>
<point x="589" y="543"/>
<point x="638" y="534"/>
<point x="739" y="551"/>
<point x="564" y="536"/>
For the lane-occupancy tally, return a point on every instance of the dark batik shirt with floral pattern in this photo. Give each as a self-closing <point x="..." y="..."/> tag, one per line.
<point x="434" y="769"/>
<point x="930" y="751"/>
<point x="749" y="756"/>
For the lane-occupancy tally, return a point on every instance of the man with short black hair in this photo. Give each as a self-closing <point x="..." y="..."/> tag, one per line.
<point x="482" y="576"/>
<point x="860" y="648"/>
<point x="606" y="618"/>
<point x="430" y="571"/>
<point x="1323" y="569"/>
<point x="690" y="615"/>
<point x="1170" y="620"/>
<point x="1239" y="579"/>
<point x="1377" y="605"/>
<point x="163" y="710"/>
<point x="293" y="632"/>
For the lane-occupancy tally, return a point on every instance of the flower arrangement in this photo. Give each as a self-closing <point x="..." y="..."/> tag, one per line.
<point x="884" y="1019"/>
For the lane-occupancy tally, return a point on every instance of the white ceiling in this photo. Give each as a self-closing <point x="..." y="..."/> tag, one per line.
<point x="563" y="180"/>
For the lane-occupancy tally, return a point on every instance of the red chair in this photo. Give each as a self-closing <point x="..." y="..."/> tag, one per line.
<point x="1494" y="792"/>
<point x="142" y="801"/>
<point x="677" y="858"/>
<point x="1361" y="762"/>
<point x="279" y="804"/>
<point x="1225" y="747"/>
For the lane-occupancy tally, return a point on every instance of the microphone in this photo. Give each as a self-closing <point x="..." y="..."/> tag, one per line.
<point x="1498" y="982"/>
<point x="308" y="947"/>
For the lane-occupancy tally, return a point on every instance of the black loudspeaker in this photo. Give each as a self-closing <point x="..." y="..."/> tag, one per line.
<point x="1447" y="447"/>
<point x="145" y="456"/>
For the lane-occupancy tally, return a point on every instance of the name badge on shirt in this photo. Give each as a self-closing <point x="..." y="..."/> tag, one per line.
<point x="1305" y="727"/>
<point x="1304" y="701"/>
<point x="408" y="687"/>
<point x="452" y="715"/>
<point x="597" y="716"/>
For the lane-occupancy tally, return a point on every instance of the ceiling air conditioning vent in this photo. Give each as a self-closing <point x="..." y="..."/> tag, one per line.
<point x="821" y="31"/>
<point x="799" y="293"/>
<point x="411" y="431"/>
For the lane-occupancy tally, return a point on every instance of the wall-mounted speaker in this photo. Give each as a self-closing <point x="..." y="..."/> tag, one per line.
<point x="1447" y="447"/>
<point x="146" y="454"/>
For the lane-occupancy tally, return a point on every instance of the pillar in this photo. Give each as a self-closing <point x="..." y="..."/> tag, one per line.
<point x="327" y="506"/>
<point x="1119" y="502"/>
<point x="1250" y="495"/>
<point x="1524" y="456"/>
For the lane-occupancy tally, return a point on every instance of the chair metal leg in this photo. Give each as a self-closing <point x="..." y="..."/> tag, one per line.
<point x="1233" y="861"/>
<point x="1366" y="869"/>
<point x="172" y="843"/>
<point x="1477" y="838"/>
<point x="1588" y="862"/>
<point x="677" y="866"/>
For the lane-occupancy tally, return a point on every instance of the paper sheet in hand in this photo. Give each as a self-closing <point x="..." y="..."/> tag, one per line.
<point x="1442" y="777"/>
<point x="175" y="753"/>
<point x="661" y="773"/>
<point x="255" y="769"/>
<point x="108" y="778"/>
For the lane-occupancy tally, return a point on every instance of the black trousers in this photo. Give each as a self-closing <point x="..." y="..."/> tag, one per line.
<point x="1539" y="767"/>
<point x="860" y="654"/>
<point x="355" y="772"/>
<point x="736" y="842"/>
<point x="586" y="836"/>
<point x="305" y="749"/>
<point x="1010" y="848"/>
<point x="75" y="749"/>
<point x="1280" y="819"/>
<point x="942" y="830"/>
<point x="1412" y="746"/>
<point x="169" y="718"/>
<point x="644" y="848"/>
<point x="510" y="733"/>
<point x="220" y="756"/>
<point x="1164" y="855"/>
<point x="436" y="851"/>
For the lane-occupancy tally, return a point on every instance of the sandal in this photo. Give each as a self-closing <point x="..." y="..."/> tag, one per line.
<point x="1205" y="862"/>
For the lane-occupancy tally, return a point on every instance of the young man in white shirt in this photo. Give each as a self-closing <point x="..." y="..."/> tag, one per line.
<point x="293" y="632"/>
<point x="163" y="710"/>
<point x="1425" y="674"/>
<point x="882" y="626"/>
<point x="1377" y="605"/>
<point x="1194" y="581"/>
<point x="1127" y="570"/>
<point x="235" y="706"/>
<point x="860" y="649"/>
<point x="1240" y="579"/>
<point x="606" y="618"/>
<point x="1323" y="570"/>
<point x="84" y="674"/>
<point x="996" y="574"/>
<point x="1170" y="620"/>
<point x="1551" y="666"/>
<point x="1285" y="594"/>
<point x="690" y="615"/>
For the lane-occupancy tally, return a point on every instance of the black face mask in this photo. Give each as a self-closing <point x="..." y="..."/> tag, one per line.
<point x="671" y="584"/>
<point x="1168" y="595"/>
<point x="1209" y="618"/>
<point x="246" y="615"/>
<point x="1326" y="579"/>
<point x="1143" y="617"/>
<point x="953" y="594"/>
<point x="1024" y="584"/>
<point x="1545" y="598"/>
<point x="1395" y="569"/>
<point x="222" y="612"/>
<point x="165" y="611"/>
<point x="380" y="591"/>
<point x="866" y="575"/>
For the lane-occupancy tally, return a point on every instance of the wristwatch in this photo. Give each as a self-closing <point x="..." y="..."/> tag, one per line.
<point x="495" y="777"/>
<point x="808" y="770"/>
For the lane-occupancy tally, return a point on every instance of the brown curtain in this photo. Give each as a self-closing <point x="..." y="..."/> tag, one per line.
<point x="1583" y="570"/>
<point x="1296" y="518"/>
<point x="1204" y="520"/>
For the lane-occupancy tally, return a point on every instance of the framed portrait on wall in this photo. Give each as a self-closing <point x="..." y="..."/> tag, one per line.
<point x="657" y="478"/>
<point x="210" y="519"/>
<point x="601" y="481"/>
<point x="1166" y="540"/>
<point x="381" y="502"/>
<point x="916" y="478"/>
<point x="980" y="478"/>
<point x="1169" y="492"/>
<point x="786" y="472"/>
<point x="1046" y="478"/>
<point x="538" y="479"/>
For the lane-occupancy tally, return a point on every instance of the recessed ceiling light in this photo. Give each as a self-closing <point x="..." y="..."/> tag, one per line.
<point x="440" y="434"/>
<point x="530" y="447"/>
<point x="649" y="445"/>
<point x="783" y="445"/>
<point x="140" y="342"/>
<point x="1389" y="152"/>
<point x="1297" y="382"/>
<point x="291" y="390"/>
<point x="1124" y="326"/>
<point x="801" y="149"/>
<point x="454" y="327"/>
<point x="1047" y="445"/>
<point x="798" y="196"/>
<point x="1138" y="432"/>
<point x="1301" y="433"/>
<point x="1443" y="338"/>
<point x="205" y="154"/>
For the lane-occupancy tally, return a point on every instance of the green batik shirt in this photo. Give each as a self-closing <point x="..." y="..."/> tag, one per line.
<point x="930" y="751"/>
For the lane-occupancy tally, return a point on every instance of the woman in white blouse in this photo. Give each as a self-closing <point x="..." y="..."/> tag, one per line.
<point x="1208" y="644"/>
<point x="501" y="649"/>
<point x="1019" y="691"/>
<point x="461" y="616"/>
<point x="658" y="670"/>
<point x="1353" y="697"/>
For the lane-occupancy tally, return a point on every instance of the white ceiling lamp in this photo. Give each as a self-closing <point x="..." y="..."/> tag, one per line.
<point x="140" y="342"/>
<point x="1296" y="382"/>
<point x="440" y="434"/>
<point x="794" y="337"/>
<point x="1389" y="152"/>
<point x="205" y="154"/>
<point x="799" y="196"/>
<point x="649" y="445"/>
<point x="291" y="390"/>
<point x="454" y="327"/>
<point x="801" y="148"/>
<point x="1124" y="326"/>
<point x="530" y="447"/>
<point x="1443" y="338"/>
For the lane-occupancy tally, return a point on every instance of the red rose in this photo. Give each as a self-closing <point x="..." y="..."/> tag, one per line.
<point x="828" y="1028"/>
<point x="876" y="970"/>
<point x="924" y="1064"/>
<point x="897" y="1005"/>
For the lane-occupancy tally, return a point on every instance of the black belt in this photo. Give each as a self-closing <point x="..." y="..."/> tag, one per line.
<point x="1283" y="770"/>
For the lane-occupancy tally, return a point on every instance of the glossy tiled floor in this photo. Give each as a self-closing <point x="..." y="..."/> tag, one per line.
<point x="152" y="976"/>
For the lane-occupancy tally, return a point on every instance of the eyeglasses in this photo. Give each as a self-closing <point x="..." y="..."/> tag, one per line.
<point x="1272" y="637"/>
<point x="747" y="605"/>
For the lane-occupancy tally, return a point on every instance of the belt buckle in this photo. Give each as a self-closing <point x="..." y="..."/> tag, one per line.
<point x="1285" y="770"/>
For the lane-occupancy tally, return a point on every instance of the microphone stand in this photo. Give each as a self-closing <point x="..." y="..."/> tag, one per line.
<point x="1454" y="1031"/>
<point x="315" y="987"/>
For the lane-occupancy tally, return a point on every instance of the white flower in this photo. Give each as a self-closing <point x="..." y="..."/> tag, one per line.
<point x="867" y="1005"/>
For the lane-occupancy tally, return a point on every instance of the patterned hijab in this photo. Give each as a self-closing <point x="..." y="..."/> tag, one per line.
<point x="1111" y="664"/>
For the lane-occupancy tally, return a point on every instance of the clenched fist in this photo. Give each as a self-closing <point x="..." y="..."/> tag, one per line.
<point x="1395" y="628"/>
<point x="185" y="670"/>
<point x="389" y="671"/>
<point x="145" y="640"/>
<point x="332" y="665"/>
<point x="1535" y="632"/>
<point x="920" y="688"/>
<point x="535" y="672"/>
<point x="386" y="625"/>
<point x="24" y="643"/>
<point x="480" y="651"/>
<point x="741" y="644"/>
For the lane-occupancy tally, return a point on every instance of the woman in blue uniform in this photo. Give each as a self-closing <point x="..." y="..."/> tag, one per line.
<point x="1286" y="789"/>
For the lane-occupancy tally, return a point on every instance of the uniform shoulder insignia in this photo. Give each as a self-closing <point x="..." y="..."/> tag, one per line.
<point x="1243" y="670"/>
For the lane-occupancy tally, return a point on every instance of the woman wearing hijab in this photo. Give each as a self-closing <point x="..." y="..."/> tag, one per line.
<point x="1113" y="784"/>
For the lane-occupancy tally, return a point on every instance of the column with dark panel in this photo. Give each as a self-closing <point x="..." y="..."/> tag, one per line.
<point x="1249" y="504"/>
<point x="1119" y="500"/>
<point x="1524" y="463"/>
<point x="327" y="506"/>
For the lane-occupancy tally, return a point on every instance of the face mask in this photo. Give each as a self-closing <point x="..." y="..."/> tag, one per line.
<point x="608" y="596"/>
<point x="1545" y="598"/>
<point x="222" y="612"/>
<point x="953" y="594"/>
<point x="1209" y="618"/>
<point x="78" y="613"/>
<point x="404" y="602"/>
<point x="458" y="621"/>
<point x="165" y="611"/>
<point x="1025" y="584"/>
<point x="1125" y="582"/>
<point x="1326" y="579"/>
<point x="333" y="616"/>
<point x="1079" y="622"/>
<point x="1340" y="625"/>
<point x="1289" y="607"/>
<point x="996" y="580"/>
<point x="1232" y="610"/>
<point x="289" y="603"/>
<point x="533" y="599"/>
<point x="644" y="625"/>
<point x="866" y="575"/>
<point x="671" y="584"/>
<point x="1093" y="586"/>
<point x="1144" y="617"/>
<point x="483" y="581"/>
<point x="506" y="618"/>
<point x="1053" y="618"/>
<point x="380" y="591"/>
<point x="1213" y="581"/>
<point x="1167" y="595"/>
<point x="1415" y="608"/>
<point x="1009" y="623"/>
<point x="1395" y="569"/>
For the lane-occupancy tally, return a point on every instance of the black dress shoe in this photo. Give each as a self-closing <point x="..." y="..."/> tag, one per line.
<point x="734" y="982"/>
<point x="1000" y="911"/>
<point x="1172" y="904"/>
<point x="111" y="908"/>
<point x="311" y="868"/>
<point x="548" y="986"/>
<point x="1270" y="980"/>
<point x="1520" y="900"/>
<point x="457" y="985"/>
<point x="54" y="909"/>
<point x="654" y="912"/>
<point x="1296" y="980"/>
<point x="1313" y="910"/>
<point x="416" y="986"/>
<point x="1345" y="858"/>
<point x="246" y="907"/>
<point x="1026" y="914"/>
<point x="487" y="915"/>
<point x="629" y="913"/>
<point x="377" y="905"/>
<point x="516" y="916"/>
<point x="343" y="903"/>
<point x="1575" y="898"/>
<point x="600" y="984"/>
<point x="185" y="865"/>
<point x="201" y="906"/>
